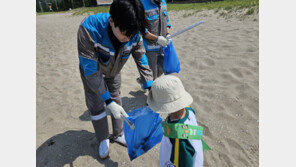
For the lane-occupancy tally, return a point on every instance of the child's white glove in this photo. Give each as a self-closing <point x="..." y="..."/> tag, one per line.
<point x="162" y="41"/>
<point x="116" y="110"/>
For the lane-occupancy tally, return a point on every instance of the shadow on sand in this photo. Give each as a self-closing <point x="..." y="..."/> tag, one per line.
<point x="129" y="103"/>
<point x="64" y="148"/>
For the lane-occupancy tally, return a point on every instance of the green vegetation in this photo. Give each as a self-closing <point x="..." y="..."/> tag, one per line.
<point x="223" y="14"/>
<point x="62" y="5"/>
<point x="189" y="14"/>
<point x="46" y="13"/>
<point x="250" y="11"/>
<point x="91" y="10"/>
<point x="226" y="5"/>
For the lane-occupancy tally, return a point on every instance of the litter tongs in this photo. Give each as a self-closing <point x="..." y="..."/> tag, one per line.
<point x="130" y="124"/>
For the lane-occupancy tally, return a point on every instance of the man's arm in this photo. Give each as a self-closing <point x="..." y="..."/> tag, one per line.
<point x="142" y="63"/>
<point x="150" y="36"/>
<point x="89" y="65"/>
<point x="92" y="73"/>
<point x="158" y="39"/>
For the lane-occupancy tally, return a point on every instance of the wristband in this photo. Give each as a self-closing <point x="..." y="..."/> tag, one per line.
<point x="108" y="101"/>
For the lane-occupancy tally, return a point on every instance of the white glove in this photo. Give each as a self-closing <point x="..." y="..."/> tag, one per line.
<point x="162" y="41"/>
<point x="169" y="37"/>
<point x="116" y="110"/>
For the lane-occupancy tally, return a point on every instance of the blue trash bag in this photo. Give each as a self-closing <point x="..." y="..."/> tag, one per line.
<point x="146" y="134"/>
<point x="171" y="63"/>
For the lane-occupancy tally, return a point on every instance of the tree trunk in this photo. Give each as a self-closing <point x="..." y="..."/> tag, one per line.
<point x="56" y="5"/>
<point x="40" y="6"/>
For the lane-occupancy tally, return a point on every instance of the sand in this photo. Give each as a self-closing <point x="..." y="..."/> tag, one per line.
<point x="219" y="68"/>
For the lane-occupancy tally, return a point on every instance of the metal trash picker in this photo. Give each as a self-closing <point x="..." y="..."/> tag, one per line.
<point x="185" y="29"/>
<point x="130" y="124"/>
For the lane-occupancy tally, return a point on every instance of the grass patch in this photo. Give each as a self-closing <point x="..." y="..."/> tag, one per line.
<point x="91" y="10"/>
<point x="187" y="14"/>
<point x="228" y="5"/>
<point x="228" y="8"/>
<point x="242" y="18"/>
<point x="250" y="11"/>
<point x="190" y="14"/>
<point x="47" y="13"/>
<point x="223" y="14"/>
<point x="217" y="10"/>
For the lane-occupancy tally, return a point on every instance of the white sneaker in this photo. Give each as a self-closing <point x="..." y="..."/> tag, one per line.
<point x="120" y="140"/>
<point x="104" y="149"/>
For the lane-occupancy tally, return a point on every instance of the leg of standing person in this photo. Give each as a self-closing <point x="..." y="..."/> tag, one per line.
<point x="113" y="85"/>
<point x="160" y="63"/>
<point x="153" y="62"/>
<point x="97" y="111"/>
<point x="95" y="105"/>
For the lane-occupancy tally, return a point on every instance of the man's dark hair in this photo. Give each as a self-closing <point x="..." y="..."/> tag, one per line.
<point x="129" y="16"/>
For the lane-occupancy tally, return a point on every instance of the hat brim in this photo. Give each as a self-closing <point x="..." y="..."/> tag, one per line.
<point x="169" y="107"/>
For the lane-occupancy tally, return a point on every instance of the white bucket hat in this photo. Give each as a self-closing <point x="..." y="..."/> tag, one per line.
<point x="168" y="95"/>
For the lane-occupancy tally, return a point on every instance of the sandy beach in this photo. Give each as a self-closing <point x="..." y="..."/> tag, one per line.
<point x="219" y="68"/>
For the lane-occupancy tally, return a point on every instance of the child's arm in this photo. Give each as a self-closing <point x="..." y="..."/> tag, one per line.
<point x="165" y="152"/>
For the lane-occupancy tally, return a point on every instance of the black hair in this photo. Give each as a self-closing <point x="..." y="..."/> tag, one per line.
<point x="129" y="16"/>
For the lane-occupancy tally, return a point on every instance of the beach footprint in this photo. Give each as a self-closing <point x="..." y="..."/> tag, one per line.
<point x="209" y="62"/>
<point x="236" y="72"/>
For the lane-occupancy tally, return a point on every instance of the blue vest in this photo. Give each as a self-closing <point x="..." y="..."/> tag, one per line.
<point x="157" y="18"/>
<point x="97" y="26"/>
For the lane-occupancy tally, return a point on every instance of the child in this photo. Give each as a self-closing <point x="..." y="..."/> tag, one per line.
<point x="168" y="95"/>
